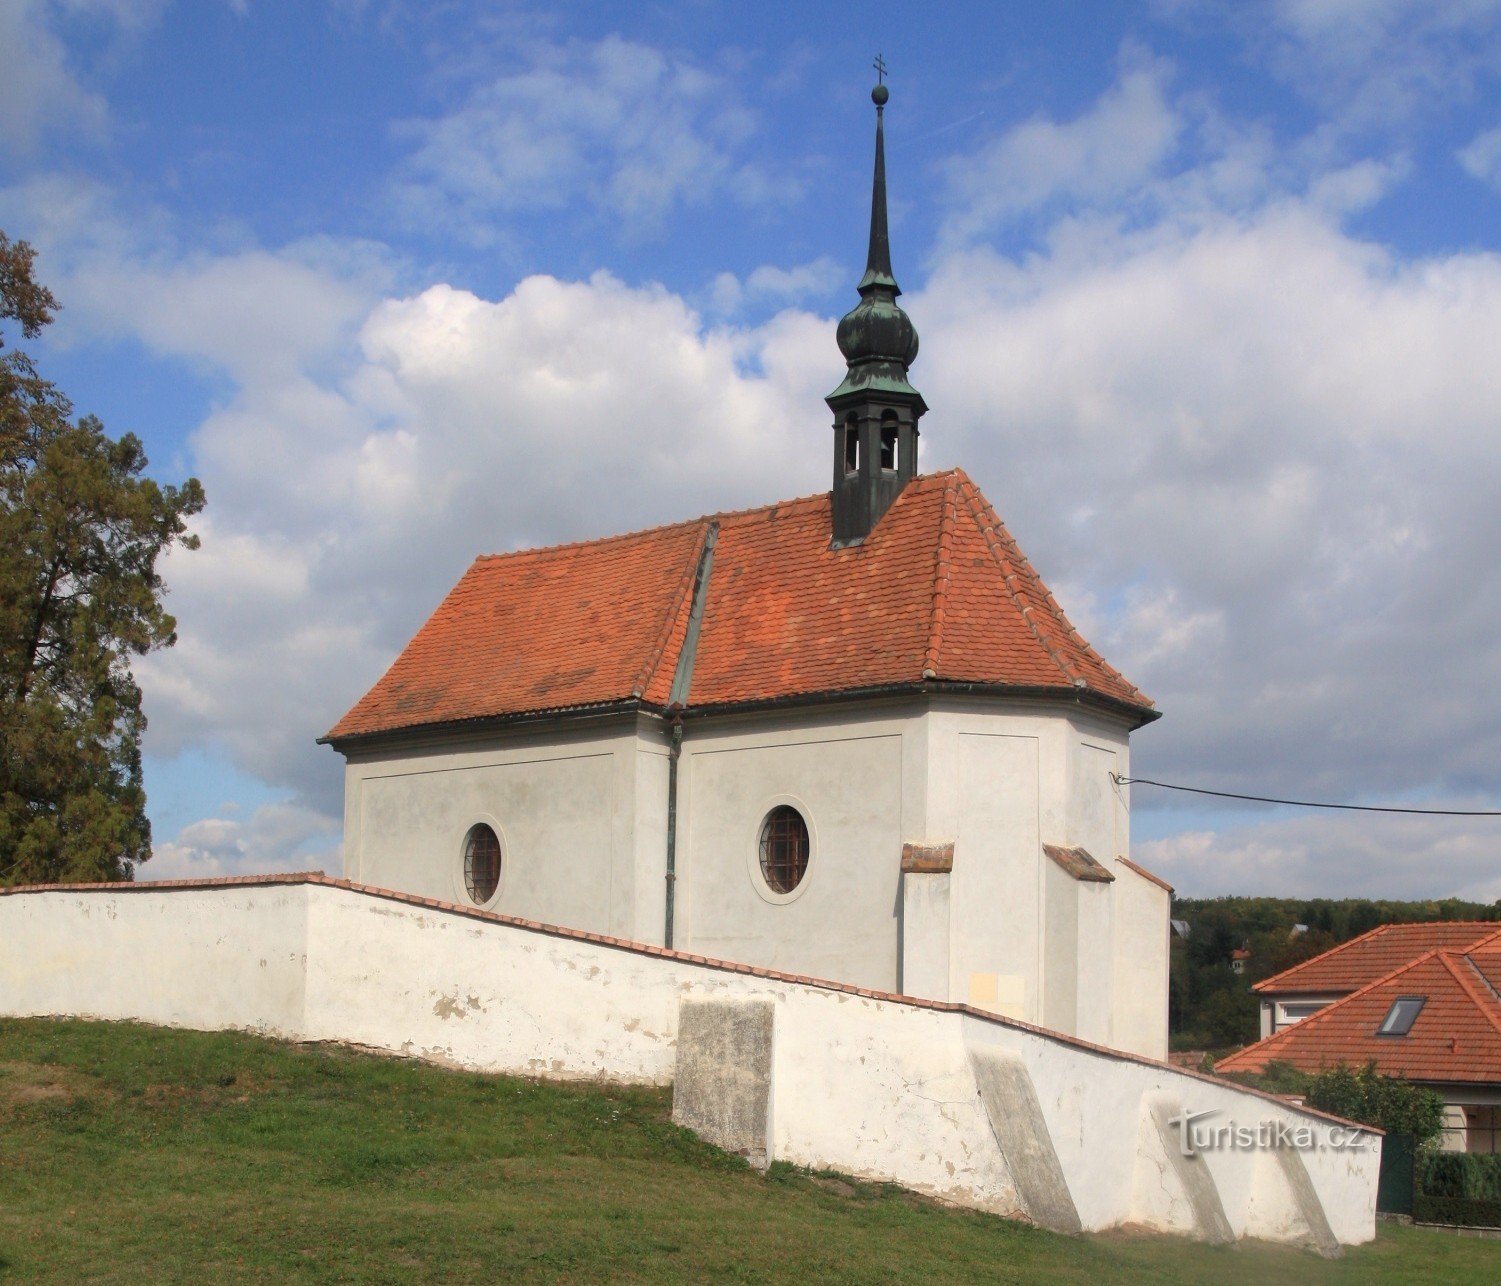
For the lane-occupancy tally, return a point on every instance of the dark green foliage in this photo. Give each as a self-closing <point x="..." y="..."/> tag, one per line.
<point x="1388" y="1102"/>
<point x="1457" y="1211"/>
<point x="1277" y="1078"/>
<point x="81" y="528"/>
<point x="1473" y="1176"/>
<point x="1212" y="1007"/>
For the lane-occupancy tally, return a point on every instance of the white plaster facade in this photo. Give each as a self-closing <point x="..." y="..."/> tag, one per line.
<point x="875" y="1086"/>
<point x="581" y="808"/>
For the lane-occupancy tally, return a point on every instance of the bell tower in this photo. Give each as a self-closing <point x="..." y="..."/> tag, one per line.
<point x="875" y="409"/>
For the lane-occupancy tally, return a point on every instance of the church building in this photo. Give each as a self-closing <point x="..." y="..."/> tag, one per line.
<point x="851" y="736"/>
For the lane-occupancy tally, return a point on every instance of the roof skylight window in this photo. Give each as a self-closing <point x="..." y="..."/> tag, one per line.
<point x="1401" y="1016"/>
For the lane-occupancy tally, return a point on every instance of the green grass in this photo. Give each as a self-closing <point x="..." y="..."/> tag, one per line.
<point x="131" y="1153"/>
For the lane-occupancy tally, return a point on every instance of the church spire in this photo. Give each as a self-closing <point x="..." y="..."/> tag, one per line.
<point x="878" y="257"/>
<point x="875" y="409"/>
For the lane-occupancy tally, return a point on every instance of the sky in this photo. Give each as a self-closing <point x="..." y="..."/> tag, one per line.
<point x="1209" y="297"/>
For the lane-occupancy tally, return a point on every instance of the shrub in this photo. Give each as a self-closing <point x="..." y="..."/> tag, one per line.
<point x="1473" y="1176"/>
<point x="1390" y="1103"/>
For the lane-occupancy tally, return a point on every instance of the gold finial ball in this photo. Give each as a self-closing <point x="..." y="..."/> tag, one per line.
<point x="879" y="95"/>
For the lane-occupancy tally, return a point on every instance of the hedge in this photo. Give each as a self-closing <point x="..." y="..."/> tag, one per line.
<point x="1473" y="1176"/>
<point x="1457" y="1211"/>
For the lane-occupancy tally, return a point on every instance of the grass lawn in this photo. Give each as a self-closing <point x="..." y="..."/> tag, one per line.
<point x="131" y="1153"/>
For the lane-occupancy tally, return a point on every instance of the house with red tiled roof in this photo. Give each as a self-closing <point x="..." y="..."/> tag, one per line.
<point x="1434" y="1018"/>
<point x="1295" y="994"/>
<point x="851" y="735"/>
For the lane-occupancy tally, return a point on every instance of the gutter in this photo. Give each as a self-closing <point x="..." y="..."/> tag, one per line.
<point x="673" y="754"/>
<point x="677" y="697"/>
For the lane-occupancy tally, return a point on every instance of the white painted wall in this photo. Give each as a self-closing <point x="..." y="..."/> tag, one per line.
<point x="581" y="808"/>
<point x="561" y="798"/>
<point x="1143" y="945"/>
<point x="844" y="773"/>
<point x="874" y="1086"/>
<point x="221" y="958"/>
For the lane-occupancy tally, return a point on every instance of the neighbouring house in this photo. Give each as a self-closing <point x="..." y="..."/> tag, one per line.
<point x="1238" y="959"/>
<point x="850" y="736"/>
<point x="1421" y="1001"/>
<point x="1295" y="994"/>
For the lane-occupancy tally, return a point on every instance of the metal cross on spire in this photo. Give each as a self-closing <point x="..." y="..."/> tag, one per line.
<point x="880" y="66"/>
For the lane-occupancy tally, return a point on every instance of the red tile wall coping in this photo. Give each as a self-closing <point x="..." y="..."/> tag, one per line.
<point x="927" y="859"/>
<point x="643" y="948"/>
<point x="1144" y="873"/>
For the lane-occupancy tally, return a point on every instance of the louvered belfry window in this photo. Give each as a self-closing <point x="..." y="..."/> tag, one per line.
<point x="784" y="849"/>
<point x="481" y="864"/>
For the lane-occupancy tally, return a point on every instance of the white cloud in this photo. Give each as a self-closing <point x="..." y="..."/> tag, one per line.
<point x="1366" y="62"/>
<point x="1106" y="152"/>
<point x="1323" y="855"/>
<point x="39" y="90"/>
<point x="276" y="837"/>
<point x="628" y="130"/>
<point x="1481" y="157"/>
<point x="776" y="285"/>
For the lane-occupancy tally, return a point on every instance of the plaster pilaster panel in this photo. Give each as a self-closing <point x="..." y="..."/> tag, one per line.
<point x="561" y="800"/>
<point x="1060" y="949"/>
<point x="843" y="770"/>
<point x="648" y="840"/>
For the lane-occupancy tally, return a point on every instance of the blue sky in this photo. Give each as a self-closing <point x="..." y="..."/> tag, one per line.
<point x="1209" y="297"/>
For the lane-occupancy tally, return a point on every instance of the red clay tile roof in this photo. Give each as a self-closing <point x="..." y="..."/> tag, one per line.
<point x="1354" y="963"/>
<point x="939" y="591"/>
<point x="1456" y="1036"/>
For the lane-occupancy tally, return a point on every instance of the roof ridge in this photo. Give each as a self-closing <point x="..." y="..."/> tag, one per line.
<point x="655" y="654"/>
<point x="1070" y="630"/>
<point x="1314" y="1018"/>
<point x="947" y="511"/>
<point x="589" y="542"/>
<point x="1007" y="576"/>
<point x="1485" y="1003"/>
<point x="1265" y="983"/>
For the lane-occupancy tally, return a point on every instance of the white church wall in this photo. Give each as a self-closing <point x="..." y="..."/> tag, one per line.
<point x="1094" y="824"/>
<point x="648" y="840"/>
<point x="561" y="799"/>
<point x="1142" y="948"/>
<point x="582" y="814"/>
<point x="868" y="1084"/>
<point x="1061" y="949"/>
<point x="843" y="770"/>
<point x="995" y="780"/>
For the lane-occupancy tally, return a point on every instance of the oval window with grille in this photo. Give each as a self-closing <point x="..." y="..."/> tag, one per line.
<point x="784" y="849"/>
<point x="481" y="863"/>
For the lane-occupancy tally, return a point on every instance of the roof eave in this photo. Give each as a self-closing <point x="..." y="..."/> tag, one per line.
<point x="1088" y="697"/>
<point x="484" y="723"/>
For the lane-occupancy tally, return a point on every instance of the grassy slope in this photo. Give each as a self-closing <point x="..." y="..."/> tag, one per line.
<point x="132" y="1153"/>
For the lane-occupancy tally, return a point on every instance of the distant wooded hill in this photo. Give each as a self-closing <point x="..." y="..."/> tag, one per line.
<point x="1212" y="1007"/>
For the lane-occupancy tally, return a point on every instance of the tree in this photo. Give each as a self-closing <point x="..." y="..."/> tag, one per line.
<point x="81" y="528"/>
<point x="1388" y="1102"/>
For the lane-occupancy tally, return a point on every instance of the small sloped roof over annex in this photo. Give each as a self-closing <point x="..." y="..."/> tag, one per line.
<point x="1456" y="1036"/>
<point x="938" y="593"/>
<point x="1374" y="954"/>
